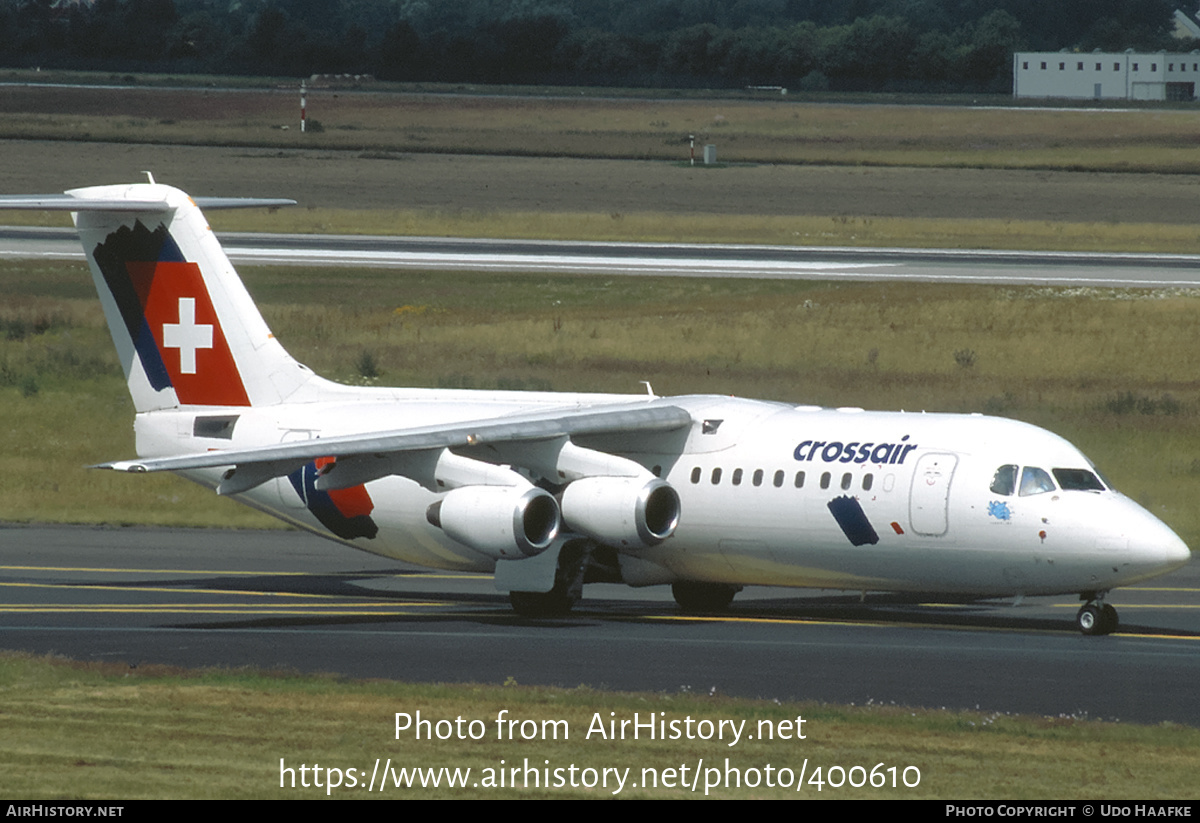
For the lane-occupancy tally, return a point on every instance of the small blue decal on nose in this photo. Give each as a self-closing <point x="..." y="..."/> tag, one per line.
<point x="999" y="510"/>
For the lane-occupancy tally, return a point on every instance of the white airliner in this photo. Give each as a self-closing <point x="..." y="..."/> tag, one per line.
<point x="550" y="491"/>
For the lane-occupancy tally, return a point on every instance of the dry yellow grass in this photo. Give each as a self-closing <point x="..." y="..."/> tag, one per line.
<point x="761" y="131"/>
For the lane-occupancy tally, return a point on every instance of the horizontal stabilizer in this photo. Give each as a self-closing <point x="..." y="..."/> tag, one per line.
<point x="66" y="202"/>
<point x="210" y="203"/>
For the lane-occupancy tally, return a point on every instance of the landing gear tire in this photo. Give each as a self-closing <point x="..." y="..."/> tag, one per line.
<point x="703" y="597"/>
<point x="541" y="604"/>
<point x="1097" y="619"/>
<point x="1089" y="619"/>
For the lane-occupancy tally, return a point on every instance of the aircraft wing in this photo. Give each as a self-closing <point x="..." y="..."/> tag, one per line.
<point x="257" y="465"/>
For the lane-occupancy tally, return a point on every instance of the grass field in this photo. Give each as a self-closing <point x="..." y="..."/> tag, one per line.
<point x="104" y="731"/>
<point x="747" y="131"/>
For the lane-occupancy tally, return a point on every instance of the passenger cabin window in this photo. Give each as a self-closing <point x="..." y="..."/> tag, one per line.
<point x="1035" y="481"/>
<point x="1077" y="480"/>
<point x="737" y="477"/>
<point x="1005" y="480"/>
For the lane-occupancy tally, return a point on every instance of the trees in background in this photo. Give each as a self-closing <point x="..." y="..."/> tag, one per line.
<point x="931" y="45"/>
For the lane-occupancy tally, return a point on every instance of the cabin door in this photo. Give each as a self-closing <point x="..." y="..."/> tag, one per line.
<point x="929" y="501"/>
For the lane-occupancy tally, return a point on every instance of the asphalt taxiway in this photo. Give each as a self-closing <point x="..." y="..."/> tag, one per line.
<point x="287" y="600"/>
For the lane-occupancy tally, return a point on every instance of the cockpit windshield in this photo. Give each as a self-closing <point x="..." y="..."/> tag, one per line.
<point x="1035" y="481"/>
<point x="1038" y="481"/>
<point x="1005" y="480"/>
<point x="1078" y="480"/>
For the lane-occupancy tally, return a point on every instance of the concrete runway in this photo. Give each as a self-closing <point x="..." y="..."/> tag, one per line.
<point x="292" y="601"/>
<point x="668" y="259"/>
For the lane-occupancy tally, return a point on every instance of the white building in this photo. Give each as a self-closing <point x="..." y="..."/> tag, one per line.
<point x="1106" y="76"/>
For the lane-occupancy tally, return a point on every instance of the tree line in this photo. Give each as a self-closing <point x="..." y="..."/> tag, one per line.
<point x="869" y="45"/>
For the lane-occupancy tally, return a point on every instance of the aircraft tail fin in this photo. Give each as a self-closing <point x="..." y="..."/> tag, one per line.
<point x="186" y="330"/>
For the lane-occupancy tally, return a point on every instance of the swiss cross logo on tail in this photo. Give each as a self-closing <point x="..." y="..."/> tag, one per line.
<point x="170" y="317"/>
<point x="187" y="335"/>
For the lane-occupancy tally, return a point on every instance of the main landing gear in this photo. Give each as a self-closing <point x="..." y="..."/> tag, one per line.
<point x="573" y="560"/>
<point x="1096" y="616"/>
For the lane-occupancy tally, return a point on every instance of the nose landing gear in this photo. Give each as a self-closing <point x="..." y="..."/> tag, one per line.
<point x="1096" y="617"/>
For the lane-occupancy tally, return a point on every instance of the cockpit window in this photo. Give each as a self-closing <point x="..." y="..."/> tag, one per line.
<point x="1077" y="480"/>
<point x="1005" y="480"/>
<point x="1035" y="481"/>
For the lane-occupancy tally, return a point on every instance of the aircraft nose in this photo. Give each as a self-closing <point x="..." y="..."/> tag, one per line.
<point x="1158" y="549"/>
<point x="1173" y="550"/>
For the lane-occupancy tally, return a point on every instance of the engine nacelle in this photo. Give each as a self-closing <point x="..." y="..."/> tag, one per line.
<point x="622" y="511"/>
<point x="503" y="522"/>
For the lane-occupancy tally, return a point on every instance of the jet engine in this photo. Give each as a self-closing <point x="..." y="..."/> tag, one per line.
<point x="503" y="522"/>
<point x="622" y="511"/>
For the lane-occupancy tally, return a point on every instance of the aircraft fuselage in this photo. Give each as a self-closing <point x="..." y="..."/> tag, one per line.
<point x="770" y="494"/>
